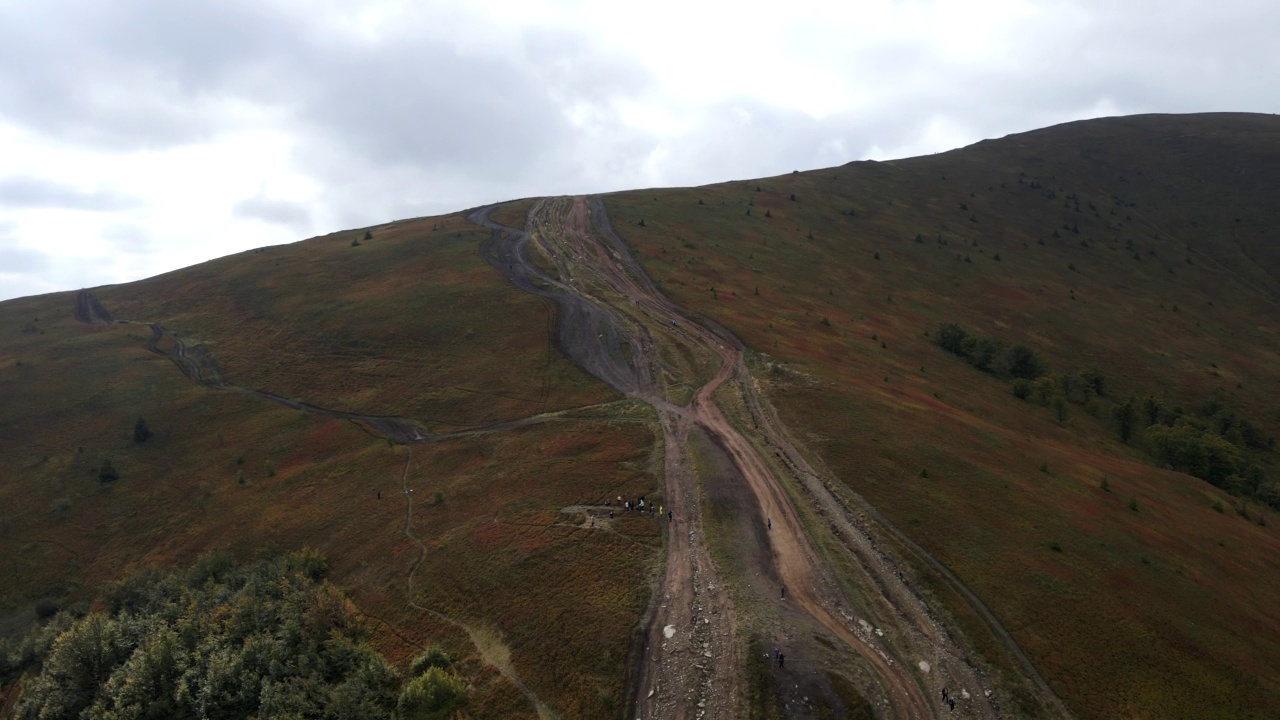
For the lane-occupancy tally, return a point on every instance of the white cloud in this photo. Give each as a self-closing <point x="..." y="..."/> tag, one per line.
<point x="146" y="135"/>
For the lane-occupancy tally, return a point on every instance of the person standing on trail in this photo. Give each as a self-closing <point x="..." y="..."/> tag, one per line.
<point x="770" y="523"/>
<point x="671" y="516"/>
<point x="661" y="510"/>
<point x="781" y="658"/>
<point x="784" y="592"/>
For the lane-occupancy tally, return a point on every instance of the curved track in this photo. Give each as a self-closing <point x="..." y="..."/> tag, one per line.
<point x="200" y="366"/>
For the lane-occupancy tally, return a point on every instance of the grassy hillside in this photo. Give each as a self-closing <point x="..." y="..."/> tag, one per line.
<point x="1140" y="250"/>
<point x="411" y="322"/>
<point x="1143" y="249"/>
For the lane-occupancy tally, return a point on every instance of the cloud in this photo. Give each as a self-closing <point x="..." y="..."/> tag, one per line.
<point x="128" y="238"/>
<point x="293" y="215"/>
<point x="162" y="118"/>
<point x="32" y="192"/>
<point x="17" y="261"/>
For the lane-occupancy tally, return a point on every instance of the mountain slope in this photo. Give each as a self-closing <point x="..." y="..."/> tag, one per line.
<point x="1162" y="606"/>
<point x="1138" y="250"/>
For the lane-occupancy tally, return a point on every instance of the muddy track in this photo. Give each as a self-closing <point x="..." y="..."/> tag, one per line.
<point x="628" y="322"/>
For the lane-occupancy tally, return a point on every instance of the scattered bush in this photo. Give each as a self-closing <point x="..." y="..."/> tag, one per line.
<point x="988" y="354"/>
<point x="46" y="609"/>
<point x="107" y="473"/>
<point x="141" y="433"/>
<point x="432" y="657"/>
<point x="433" y="695"/>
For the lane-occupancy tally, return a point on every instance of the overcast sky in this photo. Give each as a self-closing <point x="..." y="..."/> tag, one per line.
<point x="140" y="136"/>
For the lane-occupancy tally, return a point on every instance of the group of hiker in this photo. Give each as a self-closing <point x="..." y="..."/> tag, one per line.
<point x="639" y="505"/>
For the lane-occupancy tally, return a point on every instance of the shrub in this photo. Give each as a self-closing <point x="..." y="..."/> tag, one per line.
<point x="433" y="695"/>
<point x="432" y="657"/>
<point x="1126" y="416"/>
<point x="141" y="433"/>
<point x="1133" y="504"/>
<point x="107" y="473"/>
<point x="1059" y="405"/>
<point x="1190" y="449"/>
<point x="1022" y="362"/>
<point x="46" y="609"/>
<point x="1021" y="388"/>
<point x="368" y="234"/>
<point x="951" y="337"/>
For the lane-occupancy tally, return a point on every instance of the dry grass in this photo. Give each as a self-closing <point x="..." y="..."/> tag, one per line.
<point x="563" y="600"/>
<point x="1171" y="611"/>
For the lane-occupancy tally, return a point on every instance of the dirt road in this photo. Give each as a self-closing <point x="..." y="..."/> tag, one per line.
<point x="615" y="324"/>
